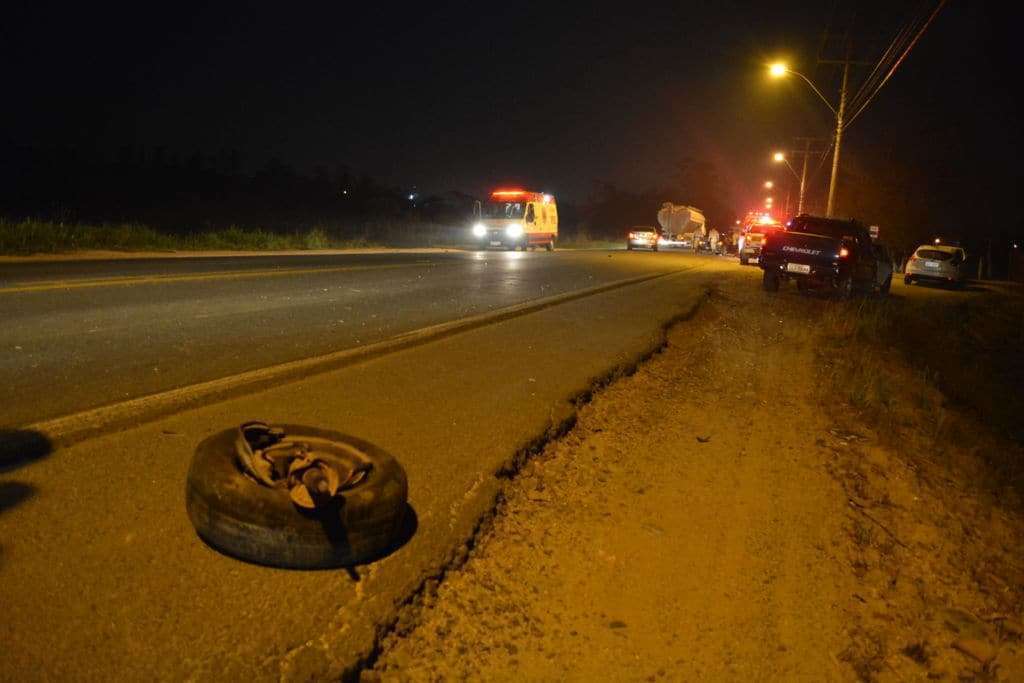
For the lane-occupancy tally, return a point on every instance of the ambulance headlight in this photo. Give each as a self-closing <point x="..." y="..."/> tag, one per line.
<point x="479" y="230"/>
<point x="514" y="230"/>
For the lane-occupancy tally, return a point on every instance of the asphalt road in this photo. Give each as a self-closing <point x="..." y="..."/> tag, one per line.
<point x="102" y="576"/>
<point x="100" y="331"/>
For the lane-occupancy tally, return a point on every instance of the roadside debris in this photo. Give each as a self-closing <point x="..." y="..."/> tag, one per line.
<point x="297" y="496"/>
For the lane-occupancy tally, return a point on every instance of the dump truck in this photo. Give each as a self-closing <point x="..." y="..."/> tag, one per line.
<point x="682" y="225"/>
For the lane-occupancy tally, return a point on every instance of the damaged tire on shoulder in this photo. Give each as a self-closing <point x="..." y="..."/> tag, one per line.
<point x="241" y="517"/>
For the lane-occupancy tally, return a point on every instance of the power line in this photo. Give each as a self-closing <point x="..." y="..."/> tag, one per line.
<point x="897" y="44"/>
<point x="898" y="62"/>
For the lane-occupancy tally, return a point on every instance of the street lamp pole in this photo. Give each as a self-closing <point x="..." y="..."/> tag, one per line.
<point x="803" y="178"/>
<point x="839" y="140"/>
<point x="779" y="70"/>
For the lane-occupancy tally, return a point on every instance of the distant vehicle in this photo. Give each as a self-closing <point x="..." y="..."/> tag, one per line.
<point x="820" y="253"/>
<point x="682" y="225"/>
<point x="937" y="263"/>
<point x="516" y="219"/>
<point x="886" y="267"/>
<point x="750" y="249"/>
<point x="644" y="237"/>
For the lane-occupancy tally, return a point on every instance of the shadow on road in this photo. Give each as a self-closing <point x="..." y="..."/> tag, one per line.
<point x="14" y="492"/>
<point x="20" y="447"/>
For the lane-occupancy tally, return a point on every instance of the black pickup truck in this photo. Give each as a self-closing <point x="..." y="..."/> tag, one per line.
<point x="820" y="253"/>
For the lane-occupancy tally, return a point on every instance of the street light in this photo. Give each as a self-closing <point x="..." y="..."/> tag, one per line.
<point x="801" y="177"/>
<point x="768" y="184"/>
<point x="780" y="69"/>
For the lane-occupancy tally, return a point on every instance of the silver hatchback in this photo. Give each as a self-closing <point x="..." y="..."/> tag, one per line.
<point x="937" y="263"/>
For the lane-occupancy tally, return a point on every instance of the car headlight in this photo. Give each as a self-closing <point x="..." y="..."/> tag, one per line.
<point x="514" y="230"/>
<point x="479" y="230"/>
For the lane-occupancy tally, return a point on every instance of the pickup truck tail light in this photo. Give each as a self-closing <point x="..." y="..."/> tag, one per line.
<point x="843" y="252"/>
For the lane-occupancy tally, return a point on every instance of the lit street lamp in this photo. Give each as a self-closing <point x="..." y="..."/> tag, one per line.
<point x="802" y="177"/>
<point x="778" y="70"/>
<point x="768" y="184"/>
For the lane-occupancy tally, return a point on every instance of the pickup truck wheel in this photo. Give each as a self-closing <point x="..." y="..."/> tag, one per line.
<point x="770" y="281"/>
<point x="907" y="280"/>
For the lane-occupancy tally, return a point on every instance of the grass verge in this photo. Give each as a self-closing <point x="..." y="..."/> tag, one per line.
<point x="40" y="237"/>
<point x="939" y="379"/>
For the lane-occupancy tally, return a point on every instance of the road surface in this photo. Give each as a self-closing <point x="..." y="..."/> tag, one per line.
<point x="99" y="528"/>
<point x="118" y="329"/>
<point x="101" y="574"/>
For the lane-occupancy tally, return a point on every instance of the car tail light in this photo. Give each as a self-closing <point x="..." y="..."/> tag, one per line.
<point x="843" y="252"/>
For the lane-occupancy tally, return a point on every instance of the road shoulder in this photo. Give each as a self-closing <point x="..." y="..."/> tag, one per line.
<point x="709" y="517"/>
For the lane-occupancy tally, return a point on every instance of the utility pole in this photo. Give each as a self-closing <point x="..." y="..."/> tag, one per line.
<point x="803" y="175"/>
<point x="839" y="140"/>
<point x="806" y="152"/>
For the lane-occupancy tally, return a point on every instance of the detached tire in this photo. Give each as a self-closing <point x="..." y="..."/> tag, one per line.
<point x="252" y="522"/>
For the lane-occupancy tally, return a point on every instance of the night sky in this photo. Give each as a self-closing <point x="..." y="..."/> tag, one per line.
<point x="556" y="96"/>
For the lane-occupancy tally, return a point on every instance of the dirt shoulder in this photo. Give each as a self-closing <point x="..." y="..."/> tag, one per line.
<point x="711" y="517"/>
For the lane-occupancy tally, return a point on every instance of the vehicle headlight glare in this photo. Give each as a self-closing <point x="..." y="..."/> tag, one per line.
<point x="479" y="230"/>
<point x="514" y="230"/>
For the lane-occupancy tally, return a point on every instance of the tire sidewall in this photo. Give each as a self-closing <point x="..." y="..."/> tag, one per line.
<point x="245" y="519"/>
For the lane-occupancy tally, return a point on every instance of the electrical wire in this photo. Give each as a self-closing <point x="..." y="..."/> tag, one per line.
<point x="895" y="66"/>
<point x="897" y="44"/>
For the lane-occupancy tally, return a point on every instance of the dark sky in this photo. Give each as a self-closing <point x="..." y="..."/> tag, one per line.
<point x="554" y="95"/>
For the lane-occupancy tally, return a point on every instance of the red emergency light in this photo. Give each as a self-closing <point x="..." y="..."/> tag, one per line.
<point x="507" y="194"/>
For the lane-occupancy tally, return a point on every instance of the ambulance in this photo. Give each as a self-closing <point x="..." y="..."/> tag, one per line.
<point x="516" y="219"/>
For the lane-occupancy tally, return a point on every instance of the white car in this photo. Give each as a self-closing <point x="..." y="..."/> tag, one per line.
<point x="644" y="236"/>
<point x="937" y="263"/>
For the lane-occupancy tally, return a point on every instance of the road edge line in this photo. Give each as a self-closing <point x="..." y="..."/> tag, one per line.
<point x="77" y="427"/>
<point x="460" y="551"/>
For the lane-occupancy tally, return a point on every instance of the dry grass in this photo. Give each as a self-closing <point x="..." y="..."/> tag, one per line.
<point x="40" y="237"/>
<point x="935" y="377"/>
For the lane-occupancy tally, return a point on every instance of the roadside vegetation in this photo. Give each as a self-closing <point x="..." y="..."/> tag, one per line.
<point x="937" y="379"/>
<point x="42" y="237"/>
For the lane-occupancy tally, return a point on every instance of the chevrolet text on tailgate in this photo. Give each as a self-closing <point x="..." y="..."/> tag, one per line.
<point x="821" y="253"/>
